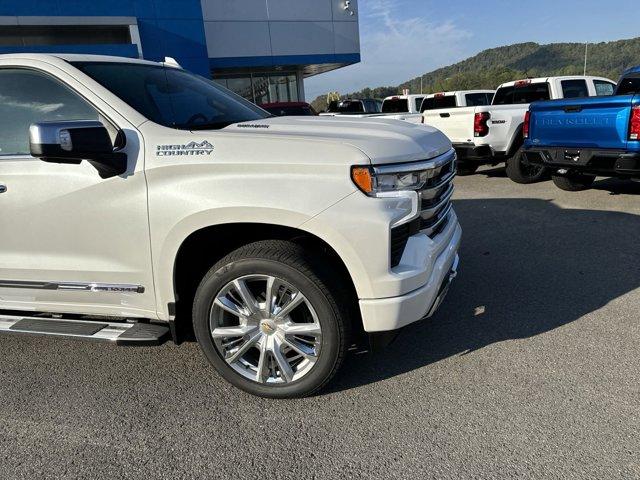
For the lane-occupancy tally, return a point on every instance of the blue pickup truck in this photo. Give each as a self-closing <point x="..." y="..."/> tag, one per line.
<point x="579" y="139"/>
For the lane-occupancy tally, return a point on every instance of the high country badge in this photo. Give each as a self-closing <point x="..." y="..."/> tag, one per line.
<point x="191" y="148"/>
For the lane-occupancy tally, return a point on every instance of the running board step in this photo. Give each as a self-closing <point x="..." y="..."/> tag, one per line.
<point x="120" y="333"/>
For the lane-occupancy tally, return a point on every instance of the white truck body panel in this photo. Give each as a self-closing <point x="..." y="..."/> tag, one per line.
<point x="67" y="224"/>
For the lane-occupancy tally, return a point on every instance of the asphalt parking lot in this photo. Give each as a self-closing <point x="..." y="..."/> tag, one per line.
<point x="531" y="369"/>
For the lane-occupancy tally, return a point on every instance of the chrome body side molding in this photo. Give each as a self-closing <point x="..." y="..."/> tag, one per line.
<point x="73" y="286"/>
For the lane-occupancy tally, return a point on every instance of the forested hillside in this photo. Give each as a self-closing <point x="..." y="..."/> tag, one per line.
<point x="497" y="65"/>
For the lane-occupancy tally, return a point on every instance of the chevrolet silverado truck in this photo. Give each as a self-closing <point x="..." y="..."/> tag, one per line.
<point x="493" y="134"/>
<point x="141" y="202"/>
<point x="459" y="99"/>
<point x="579" y="139"/>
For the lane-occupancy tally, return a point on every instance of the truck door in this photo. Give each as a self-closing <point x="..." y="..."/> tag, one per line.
<point x="70" y="240"/>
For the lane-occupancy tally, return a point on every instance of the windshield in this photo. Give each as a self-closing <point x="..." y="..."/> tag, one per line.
<point x="395" y="105"/>
<point x="172" y="97"/>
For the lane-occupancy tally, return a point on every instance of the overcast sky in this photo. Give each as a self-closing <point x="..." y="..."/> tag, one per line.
<point x="401" y="39"/>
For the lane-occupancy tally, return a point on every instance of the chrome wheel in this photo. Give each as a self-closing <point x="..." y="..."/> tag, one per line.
<point x="265" y="329"/>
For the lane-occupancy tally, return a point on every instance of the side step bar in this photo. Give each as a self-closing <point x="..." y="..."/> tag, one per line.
<point x="120" y="333"/>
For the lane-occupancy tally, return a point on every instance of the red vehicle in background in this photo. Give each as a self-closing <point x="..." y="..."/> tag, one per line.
<point x="287" y="109"/>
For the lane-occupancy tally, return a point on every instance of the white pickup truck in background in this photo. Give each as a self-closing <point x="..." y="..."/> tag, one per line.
<point x="459" y="99"/>
<point x="492" y="134"/>
<point x="396" y="107"/>
<point x="403" y="107"/>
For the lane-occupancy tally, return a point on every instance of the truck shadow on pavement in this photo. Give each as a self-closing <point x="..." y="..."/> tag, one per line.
<point x="493" y="171"/>
<point x="616" y="186"/>
<point x="527" y="267"/>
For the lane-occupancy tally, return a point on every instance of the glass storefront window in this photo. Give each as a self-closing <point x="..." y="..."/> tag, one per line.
<point x="263" y="87"/>
<point x="241" y="86"/>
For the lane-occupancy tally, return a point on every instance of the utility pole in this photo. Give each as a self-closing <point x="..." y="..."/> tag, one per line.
<point x="421" y="84"/>
<point x="586" y="53"/>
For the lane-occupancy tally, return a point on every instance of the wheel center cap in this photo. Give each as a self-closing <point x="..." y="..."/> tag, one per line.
<point x="268" y="327"/>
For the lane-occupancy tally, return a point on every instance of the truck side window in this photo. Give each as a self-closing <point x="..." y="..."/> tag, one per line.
<point x="371" y="106"/>
<point x="419" y="103"/>
<point x="574" y="88"/>
<point x="477" y="99"/>
<point x="27" y="97"/>
<point x="604" y="89"/>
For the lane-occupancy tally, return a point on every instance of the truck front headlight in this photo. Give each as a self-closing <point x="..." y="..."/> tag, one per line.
<point x="377" y="181"/>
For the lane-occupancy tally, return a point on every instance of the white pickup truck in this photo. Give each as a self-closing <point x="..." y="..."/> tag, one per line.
<point x="493" y="134"/>
<point x="459" y="99"/>
<point x="141" y="202"/>
<point x="403" y="107"/>
<point x="397" y="107"/>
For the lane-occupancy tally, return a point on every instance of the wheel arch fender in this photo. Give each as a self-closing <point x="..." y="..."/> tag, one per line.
<point x="517" y="140"/>
<point x="227" y="221"/>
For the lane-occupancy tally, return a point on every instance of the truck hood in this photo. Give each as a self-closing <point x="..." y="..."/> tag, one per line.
<point x="382" y="140"/>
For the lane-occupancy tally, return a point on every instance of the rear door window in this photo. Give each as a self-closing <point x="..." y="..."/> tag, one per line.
<point x="478" y="99"/>
<point x="372" y="106"/>
<point x="523" y="93"/>
<point x="604" y="89"/>
<point x="437" y="102"/>
<point x="574" y="88"/>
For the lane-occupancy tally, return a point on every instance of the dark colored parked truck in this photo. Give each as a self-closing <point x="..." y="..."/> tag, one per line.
<point x="579" y="139"/>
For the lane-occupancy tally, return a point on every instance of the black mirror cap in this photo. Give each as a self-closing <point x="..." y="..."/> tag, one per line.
<point x="76" y="140"/>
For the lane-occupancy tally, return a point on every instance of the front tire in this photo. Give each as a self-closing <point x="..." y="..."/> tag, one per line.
<point x="521" y="171"/>
<point x="268" y="323"/>
<point x="576" y="182"/>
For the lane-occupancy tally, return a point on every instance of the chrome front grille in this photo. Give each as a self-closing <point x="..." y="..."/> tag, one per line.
<point x="435" y="207"/>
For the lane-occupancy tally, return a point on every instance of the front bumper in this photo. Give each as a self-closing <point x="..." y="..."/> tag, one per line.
<point x="387" y="314"/>
<point x="472" y="152"/>
<point x="607" y="163"/>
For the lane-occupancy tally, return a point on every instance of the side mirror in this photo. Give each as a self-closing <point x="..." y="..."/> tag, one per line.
<point x="76" y="140"/>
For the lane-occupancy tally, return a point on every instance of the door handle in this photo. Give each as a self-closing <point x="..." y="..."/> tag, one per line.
<point x="445" y="115"/>
<point x="3" y="188"/>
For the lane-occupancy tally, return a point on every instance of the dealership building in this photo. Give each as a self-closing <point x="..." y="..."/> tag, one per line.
<point x="261" y="49"/>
